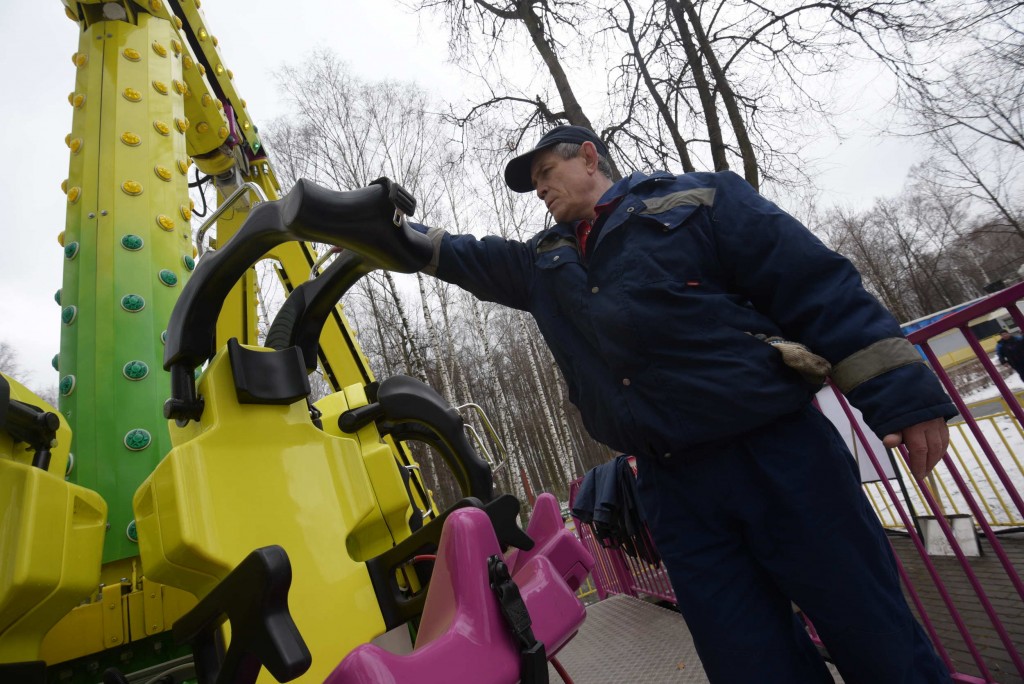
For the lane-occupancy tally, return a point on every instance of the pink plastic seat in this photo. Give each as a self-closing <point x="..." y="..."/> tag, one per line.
<point x="463" y="636"/>
<point x="553" y="541"/>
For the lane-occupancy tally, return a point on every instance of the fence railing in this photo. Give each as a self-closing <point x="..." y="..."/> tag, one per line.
<point x="958" y="535"/>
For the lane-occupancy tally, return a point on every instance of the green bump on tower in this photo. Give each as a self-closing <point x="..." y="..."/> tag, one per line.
<point x="190" y="263"/>
<point x="70" y="466"/>
<point x="67" y="385"/>
<point x="68" y="314"/>
<point x="133" y="303"/>
<point x="56" y="296"/>
<point x="163" y="337"/>
<point x="132" y="532"/>
<point x="168" y="278"/>
<point x="137" y="439"/>
<point x="132" y="243"/>
<point x="135" y="370"/>
<point x="71" y="250"/>
<point x="55" y="362"/>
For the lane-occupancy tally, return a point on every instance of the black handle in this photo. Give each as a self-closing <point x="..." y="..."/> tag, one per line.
<point x="28" y="423"/>
<point x="401" y="400"/>
<point x="254" y="599"/>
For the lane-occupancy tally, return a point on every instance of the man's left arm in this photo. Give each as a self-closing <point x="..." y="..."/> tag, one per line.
<point x="816" y="297"/>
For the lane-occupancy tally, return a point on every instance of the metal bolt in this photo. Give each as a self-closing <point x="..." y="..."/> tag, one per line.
<point x="103" y="213"/>
<point x="92" y="215"/>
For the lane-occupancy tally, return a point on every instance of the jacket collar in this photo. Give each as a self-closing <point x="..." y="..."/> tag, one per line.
<point x="619" y="189"/>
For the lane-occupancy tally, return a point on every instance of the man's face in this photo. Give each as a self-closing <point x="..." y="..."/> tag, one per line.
<point x="565" y="185"/>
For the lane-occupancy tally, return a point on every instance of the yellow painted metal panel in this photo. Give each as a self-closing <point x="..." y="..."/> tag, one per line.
<point x="153" y="605"/>
<point x="256" y="475"/>
<point x="50" y="546"/>
<point x="114" y="632"/>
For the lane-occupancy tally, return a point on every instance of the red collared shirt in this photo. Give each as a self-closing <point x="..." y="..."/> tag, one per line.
<point x="584" y="227"/>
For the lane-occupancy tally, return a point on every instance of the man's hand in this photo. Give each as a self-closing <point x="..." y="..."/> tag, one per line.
<point x="926" y="445"/>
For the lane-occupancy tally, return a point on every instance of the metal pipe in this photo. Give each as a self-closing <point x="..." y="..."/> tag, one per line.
<point x="224" y="206"/>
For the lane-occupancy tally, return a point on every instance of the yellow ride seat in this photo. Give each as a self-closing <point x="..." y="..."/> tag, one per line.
<point x="249" y="475"/>
<point x="51" y="540"/>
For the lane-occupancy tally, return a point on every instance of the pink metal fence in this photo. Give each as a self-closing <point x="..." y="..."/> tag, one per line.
<point x="976" y="650"/>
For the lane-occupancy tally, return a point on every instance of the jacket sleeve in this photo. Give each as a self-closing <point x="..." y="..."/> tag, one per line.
<point x="491" y="268"/>
<point x="816" y="297"/>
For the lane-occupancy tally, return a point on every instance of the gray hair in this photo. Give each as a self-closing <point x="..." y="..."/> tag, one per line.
<point x="568" y="150"/>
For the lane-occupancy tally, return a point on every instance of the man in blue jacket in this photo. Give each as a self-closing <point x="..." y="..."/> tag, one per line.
<point x="660" y="297"/>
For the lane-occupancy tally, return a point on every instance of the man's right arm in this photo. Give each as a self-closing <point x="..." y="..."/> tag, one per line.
<point x="492" y="268"/>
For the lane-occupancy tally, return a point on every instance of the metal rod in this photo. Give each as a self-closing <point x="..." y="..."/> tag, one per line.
<point x="490" y="430"/>
<point x="224" y="206"/>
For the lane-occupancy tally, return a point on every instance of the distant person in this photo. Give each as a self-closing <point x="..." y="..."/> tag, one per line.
<point x="670" y="304"/>
<point x="1010" y="350"/>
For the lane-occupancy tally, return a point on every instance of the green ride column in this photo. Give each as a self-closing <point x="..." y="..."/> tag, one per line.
<point x="128" y="252"/>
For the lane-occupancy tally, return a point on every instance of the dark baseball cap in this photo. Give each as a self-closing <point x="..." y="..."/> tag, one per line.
<point x="517" y="173"/>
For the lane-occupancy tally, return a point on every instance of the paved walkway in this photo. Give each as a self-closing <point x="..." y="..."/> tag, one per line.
<point x="997" y="587"/>
<point x="627" y="640"/>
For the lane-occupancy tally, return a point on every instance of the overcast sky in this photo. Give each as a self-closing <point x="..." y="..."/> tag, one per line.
<point x="377" y="38"/>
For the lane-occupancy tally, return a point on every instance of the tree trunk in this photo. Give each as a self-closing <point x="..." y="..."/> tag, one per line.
<point x="571" y="106"/>
<point x="739" y="128"/>
<point x="659" y="101"/>
<point x="704" y="90"/>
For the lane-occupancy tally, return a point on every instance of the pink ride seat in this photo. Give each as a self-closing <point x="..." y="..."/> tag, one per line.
<point x="463" y="636"/>
<point x="553" y="541"/>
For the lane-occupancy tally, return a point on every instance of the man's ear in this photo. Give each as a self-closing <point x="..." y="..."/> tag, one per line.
<point x="590" y="155"/>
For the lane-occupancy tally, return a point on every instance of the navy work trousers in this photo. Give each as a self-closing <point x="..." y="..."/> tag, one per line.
<point x="778" y="516"/>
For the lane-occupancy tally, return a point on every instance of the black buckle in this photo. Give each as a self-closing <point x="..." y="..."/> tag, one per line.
<point x="405" y="203"/>
<point x="533" y="661"/>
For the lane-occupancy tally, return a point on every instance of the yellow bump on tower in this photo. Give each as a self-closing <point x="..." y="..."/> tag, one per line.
<point x="162" y="128"/>
<point x="130" y="139"/>
<point x="160" y="87"/>
<point x="73" y="194"/>
<point x="75" y="145"/>
<point x="165" y="222"/>
<point x="132" y="95"/>
<point x="159" y="49"/>
<point x="130" y="187"/>
<point x="162" y="172"/>
<point x="131" y="54"/>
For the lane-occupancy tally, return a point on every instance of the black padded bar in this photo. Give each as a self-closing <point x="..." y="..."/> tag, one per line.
<point x="361" y="220"/>
<point x="301" y="320"/>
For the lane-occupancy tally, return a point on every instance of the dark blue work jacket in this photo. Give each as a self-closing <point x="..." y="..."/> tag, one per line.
<point x="654" y="328"/>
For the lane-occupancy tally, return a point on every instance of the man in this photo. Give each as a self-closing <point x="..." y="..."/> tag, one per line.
<point x="656" y="295"/>
<point x="1010" y="350"/>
